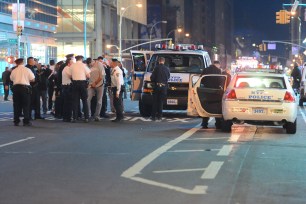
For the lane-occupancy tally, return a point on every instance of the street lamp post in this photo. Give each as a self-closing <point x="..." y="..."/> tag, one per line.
<point x="18" y="24"/>
<point x="85" y="27"/>
<point x="122" y="11"/>
<point x="152" y="29"/>
<point x="178" y="30"/>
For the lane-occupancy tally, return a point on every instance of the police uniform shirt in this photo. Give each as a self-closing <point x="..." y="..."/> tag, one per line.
<point x="117" y="78"/>
<point x="22" y="75"/>
<point x="79" y="71"/>
<point x="66" y="76"/>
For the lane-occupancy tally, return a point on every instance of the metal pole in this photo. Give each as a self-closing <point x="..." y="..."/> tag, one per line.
<point x="152" y="30"/>
<point x="18" y="24"/>
<point x="85" y="27"/>
<point x="120" y="42"/>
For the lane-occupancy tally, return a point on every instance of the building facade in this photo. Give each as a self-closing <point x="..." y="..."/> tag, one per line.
<point x="102" y="26"/>
<point x="39" y="26"/>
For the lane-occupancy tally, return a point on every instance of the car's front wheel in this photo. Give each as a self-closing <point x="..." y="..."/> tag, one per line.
<point x="227" y="125"/>
<point x="291" y="127"/>
<point x="145" y="110"/>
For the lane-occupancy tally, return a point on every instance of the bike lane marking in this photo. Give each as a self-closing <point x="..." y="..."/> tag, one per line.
<point x="132" y="172"/>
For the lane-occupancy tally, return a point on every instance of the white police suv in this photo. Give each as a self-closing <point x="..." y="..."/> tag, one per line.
<point x="182" y="61"/>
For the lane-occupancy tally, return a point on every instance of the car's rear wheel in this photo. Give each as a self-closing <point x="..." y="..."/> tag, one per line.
<point x="291" y="127"/>
<point x="145" y="110"/>
<point x="227" y="125"/>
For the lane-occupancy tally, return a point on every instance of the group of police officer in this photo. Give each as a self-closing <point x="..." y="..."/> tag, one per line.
<point x="75" y="82"/>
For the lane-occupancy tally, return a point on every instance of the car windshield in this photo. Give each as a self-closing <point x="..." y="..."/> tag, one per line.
<point x="260" y="82"/>
<point x="179" y="63"/>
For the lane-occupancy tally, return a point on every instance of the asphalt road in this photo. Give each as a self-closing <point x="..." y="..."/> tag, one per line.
<point x="140" y="161"/>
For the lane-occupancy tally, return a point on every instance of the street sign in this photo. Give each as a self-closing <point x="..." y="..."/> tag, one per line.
<point x="12" y="40"/>
<point x="21" y="11"/>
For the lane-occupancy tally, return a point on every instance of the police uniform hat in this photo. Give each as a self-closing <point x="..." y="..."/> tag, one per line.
<point x="69" y="56"/>
<point x="115" y="60"/>
<point x="79" y="57"/>
<point x="100" y="58"/>
<point x="19" y="61"/>
<point x="217" y="62"/>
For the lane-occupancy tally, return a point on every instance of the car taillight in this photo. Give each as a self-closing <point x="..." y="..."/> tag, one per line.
<point x="231" y="95"/>
<point x="288" y="97"/>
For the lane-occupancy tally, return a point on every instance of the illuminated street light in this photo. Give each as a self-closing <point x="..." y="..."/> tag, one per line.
<point x="122" y="11"/>
<point x="187" y="35"/>
<point x="152" y="30"/>
<point x="178" y="30"/>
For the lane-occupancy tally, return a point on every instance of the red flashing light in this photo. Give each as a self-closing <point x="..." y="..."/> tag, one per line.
<point x="177" y="47"/>
<point x="288" y="97"/>
<point x="231" y="95"/>
<point x="164" y="47"/>
<point x="192" y="47"/>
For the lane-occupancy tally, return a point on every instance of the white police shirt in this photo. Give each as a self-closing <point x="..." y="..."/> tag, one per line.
<point x="117" y="78"/>
<point x="22" y="75"/>
<point x="79" y="71"/>
<point x="66" y="76"/>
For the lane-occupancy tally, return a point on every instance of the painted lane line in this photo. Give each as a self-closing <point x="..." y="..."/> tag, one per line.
<point x="225" y="150"/>
<point x="212" y="170"/>
<point x="208" y="138"/>
<point x="178" y="170"/>
<point x="140" y="165"/>
<point x="197" y="190"/>
<point x="18" y="141"/>
<point x="303" y="114"/>
<point x="193" y="150"/>
<point x="235" y="136"/>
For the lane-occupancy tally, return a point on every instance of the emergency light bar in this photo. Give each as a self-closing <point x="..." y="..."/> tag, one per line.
<point x="179" y="47"/>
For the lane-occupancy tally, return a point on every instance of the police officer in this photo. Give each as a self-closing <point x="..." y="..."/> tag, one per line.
<point x="67" y="91"/>
<point x="116" y="85"/>
<point x="21" y="77"/>
<point x="79" y="73"/>
<point x="159" y="78"/>
<point x="212" y="83"/>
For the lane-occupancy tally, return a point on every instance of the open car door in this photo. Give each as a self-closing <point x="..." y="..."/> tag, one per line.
<point x="206" y="95"/>
<point x="140" y="60"/>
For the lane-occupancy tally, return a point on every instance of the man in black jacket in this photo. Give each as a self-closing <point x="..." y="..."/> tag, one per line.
<point x="159" y="78"/>
<point x="6" y="82"/>
<point x="35" y="100"/>
<point x="211" y="83"/>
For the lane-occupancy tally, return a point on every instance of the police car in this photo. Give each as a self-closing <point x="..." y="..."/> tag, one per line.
<point x="183" y="61"/>
<point x="260" y="97"/>
<point x="251" y="97"/>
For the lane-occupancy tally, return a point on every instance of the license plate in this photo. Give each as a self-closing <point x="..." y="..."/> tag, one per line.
<point x="172" y="102"/>
<point x="259" y="111"/>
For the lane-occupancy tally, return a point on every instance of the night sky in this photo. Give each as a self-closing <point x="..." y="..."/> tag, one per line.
<point x="257" y="19"/>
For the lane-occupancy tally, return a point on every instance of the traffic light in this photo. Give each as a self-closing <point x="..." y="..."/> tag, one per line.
<point x="263" y="47"/>
<point x="280" y="17"/>
<point x="287" y="17"/>
<point x="10" y="59"/>
<point x="19" y="30"/>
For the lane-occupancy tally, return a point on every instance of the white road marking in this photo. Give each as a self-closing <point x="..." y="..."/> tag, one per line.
<point x="178" y="170"/>
<point x="225" y="150"/>
<point x="193" y="150"/>
<point x="140" y="118"/>
<point x="183" y="120"/>
<point x="303" y="115"/>
<point x="136" y="169"/>
<point x="18" y="141"/>
<point x="197" y="190"/>
<point x="212" y="170"/>
<point x="235" y="136"/>
<point x="209" y="138"/>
